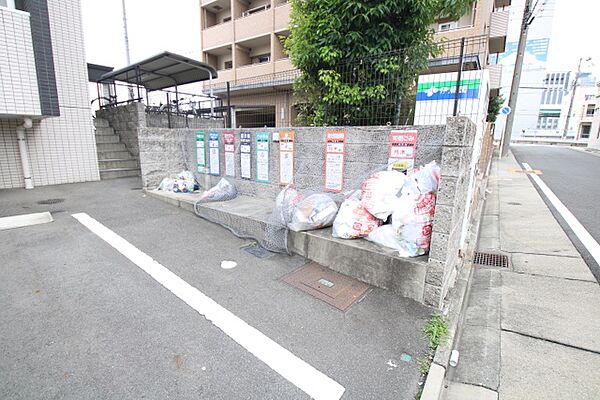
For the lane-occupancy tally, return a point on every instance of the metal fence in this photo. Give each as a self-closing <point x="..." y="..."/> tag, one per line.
<point x="378" y="89"/>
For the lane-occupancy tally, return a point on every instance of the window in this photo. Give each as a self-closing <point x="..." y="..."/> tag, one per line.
<point x="228" y="65"/>
<point x="447" y="26"/>
<point x="585" y="131"/>
<point x="589" y="112"/>
<point x="560" y="96"/>
<point x="263" y="58"/>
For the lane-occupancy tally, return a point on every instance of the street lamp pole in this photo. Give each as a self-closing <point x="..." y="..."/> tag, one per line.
<point x="126" y="37"/>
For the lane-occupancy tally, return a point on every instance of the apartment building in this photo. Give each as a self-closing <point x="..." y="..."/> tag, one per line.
<point x="46" y="133"/>
<point x="244" y="41"/>
<point x="594" y="139"/>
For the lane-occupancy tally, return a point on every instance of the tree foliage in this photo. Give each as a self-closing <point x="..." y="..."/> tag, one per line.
<point x="358" y="56"/>
<point x="494" y="107"/>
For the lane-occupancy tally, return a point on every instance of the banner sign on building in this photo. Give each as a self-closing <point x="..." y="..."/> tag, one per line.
<point x="200" y="152"/>
<point x="228" y="141"/>
<point x="403" y="146"/>
<point x="286" y="157"/>
<point x="213" y="152"/>
<point x="335" y="153"/>
<point x="262" y="156"/>
<point x="446" y="90"/>
<point x="245" y="156"/>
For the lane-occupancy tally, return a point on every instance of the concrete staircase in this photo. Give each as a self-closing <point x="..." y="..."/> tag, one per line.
<point x="114" y="160"/>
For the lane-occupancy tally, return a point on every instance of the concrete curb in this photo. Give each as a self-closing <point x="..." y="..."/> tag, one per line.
<point x="454" y="310"/>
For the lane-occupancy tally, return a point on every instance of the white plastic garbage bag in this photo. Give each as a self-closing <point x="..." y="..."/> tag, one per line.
<point x="224" y="190"/>
<point x="166" y="184"/>
<point x="353" y="220"/>
<point x="184" y="183"/>
<point x="314" y="212"/>
<point x="380" y="192"/>
<point x="427" y="177"/>
<point x="285" y="202"/>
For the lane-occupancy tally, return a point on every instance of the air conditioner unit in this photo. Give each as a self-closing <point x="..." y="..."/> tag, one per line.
<point x="447" y="26"/>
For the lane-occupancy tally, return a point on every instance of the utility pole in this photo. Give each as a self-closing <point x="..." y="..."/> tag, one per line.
<point x="126" y="37"/>
<point x="575" y="82"/>
<point x="516" y="80"/>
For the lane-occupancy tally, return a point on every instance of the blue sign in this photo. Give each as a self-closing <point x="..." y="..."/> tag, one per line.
<point x="505" y="110"/>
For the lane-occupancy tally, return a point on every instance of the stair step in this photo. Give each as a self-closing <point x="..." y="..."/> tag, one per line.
<point x="108" y="139"/>
<point x="111" y="147"/>
<point x="101" y="123"/>
<point x="115" y="155"/>
<point x="117" y="163"/>
<point x="101" y="131"/>
<point x="119" y="173"/>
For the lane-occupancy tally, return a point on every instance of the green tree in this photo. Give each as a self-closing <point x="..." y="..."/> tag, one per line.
<point x="360" y="58"/>
<point x="494" y="108"/>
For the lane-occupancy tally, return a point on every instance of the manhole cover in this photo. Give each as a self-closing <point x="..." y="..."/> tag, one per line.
<point x="50" y="201"/>
<point x="335" y="289"/>
<point x="257" y="251"/>
<point x="490" y="259"/>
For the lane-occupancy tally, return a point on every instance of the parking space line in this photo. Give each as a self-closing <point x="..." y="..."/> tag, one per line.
<point x="285" y="363"/>
<point x="582" y="234"/>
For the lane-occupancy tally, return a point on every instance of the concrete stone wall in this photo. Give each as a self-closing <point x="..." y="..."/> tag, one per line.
<point x="163" y="120"/>
<point x="451" y="206"/>
<point x="165" y="152"/>
<point x="168" y="151"/>
<point x="126" y="121"/>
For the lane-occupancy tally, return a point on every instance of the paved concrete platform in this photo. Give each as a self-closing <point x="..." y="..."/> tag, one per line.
<point x="462" y="391"/>
<point x="359" y="258"/>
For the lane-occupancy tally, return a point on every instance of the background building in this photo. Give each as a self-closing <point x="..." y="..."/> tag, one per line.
<point x="244" y="40"/>
<point x="43" y="78"/>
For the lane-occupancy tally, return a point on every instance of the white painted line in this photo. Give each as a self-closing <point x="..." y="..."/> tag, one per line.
<point x="582" y="234"/>
<point x="285" y="363"/>
<point x="19" y="221"/>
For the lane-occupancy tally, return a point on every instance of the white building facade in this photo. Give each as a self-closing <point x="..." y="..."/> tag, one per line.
<point x="46" y="127"/>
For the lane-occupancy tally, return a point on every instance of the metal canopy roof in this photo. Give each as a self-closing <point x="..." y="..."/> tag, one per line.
<point x="163" y="71"/>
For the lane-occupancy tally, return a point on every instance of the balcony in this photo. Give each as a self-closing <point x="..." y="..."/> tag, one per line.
<point x="254" y="70"/>
<point x="498" y="29"/>
<point x="501" y="3"/>
<point x="217" y="35"/>
<point x="253" y="25"/>
<point x="495" y="76"/>
<point x="282" y="17"/>
<point x="284" y="65"/>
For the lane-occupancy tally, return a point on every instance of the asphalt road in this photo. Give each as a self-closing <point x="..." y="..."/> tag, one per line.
<point x="80" y="321"/>
<point x="573" y="177"/>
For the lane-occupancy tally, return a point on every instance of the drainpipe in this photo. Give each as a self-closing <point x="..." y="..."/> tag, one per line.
<point x="27" y="124"/>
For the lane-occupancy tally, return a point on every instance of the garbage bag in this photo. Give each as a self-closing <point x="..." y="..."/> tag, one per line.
<point x="222" y="191"/>
<point x="412" y="222"/>
<point x="184" y="183"/>
<point x="314" y="212"/>
<point x="285" y="202"/>
<point x="380" y="192"/>
<point x="166" y="184"/>
<point x="427" y="177"/>
<point x="353" y="220"/>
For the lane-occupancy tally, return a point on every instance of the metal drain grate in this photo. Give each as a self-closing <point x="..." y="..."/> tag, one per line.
<point x="50" y="201"/>
<point x="490" y="259"/>
<point x="258" y="251"/>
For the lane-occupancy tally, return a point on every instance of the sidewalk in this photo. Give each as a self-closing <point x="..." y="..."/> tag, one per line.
<point x="531" y="331"/>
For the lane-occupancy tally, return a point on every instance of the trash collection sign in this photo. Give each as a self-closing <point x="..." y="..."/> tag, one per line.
<point x="228" y="141"/>
<point x="245" y="156"/>
<point x="403" y="146"/>
<point x="262" y="156"/>
<point x="335" y="154"/>
<point x="200" y="152"/>
<point x="213" y="153"/>
<point x="286" y="158"/>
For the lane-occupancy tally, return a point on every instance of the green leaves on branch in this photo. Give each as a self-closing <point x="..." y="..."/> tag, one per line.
<point x="362" y="55"/>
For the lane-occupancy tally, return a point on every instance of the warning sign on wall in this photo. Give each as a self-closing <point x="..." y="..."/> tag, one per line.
<point x="200" y="153"/>
<point x="335" y="154"/>
<point x="403" y="149"/>
<point x="262" y="156"/>
<point x="245" y="156"/>
<point x="286" y="157"/>
<point x="228" y="142"/>
<point x="213" y="152"/>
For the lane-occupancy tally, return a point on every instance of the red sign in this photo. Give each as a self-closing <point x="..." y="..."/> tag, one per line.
<point x="335" y="154"/>
<point x="403" y="149"/>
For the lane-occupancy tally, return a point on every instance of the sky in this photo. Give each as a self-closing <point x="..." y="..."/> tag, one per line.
<point x="155" y="26"/>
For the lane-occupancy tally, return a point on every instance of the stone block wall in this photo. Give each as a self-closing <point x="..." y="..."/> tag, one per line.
<point x="163" y="120"/>
<point x="450" y="209"/>
<point x="168" y="151"/>
<point x="126" y="121"/>
<point x="165" y="152"/>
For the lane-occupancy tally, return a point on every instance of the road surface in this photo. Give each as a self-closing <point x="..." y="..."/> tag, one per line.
<point x="573" y="177"/>
<point x="79" y="320"/>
